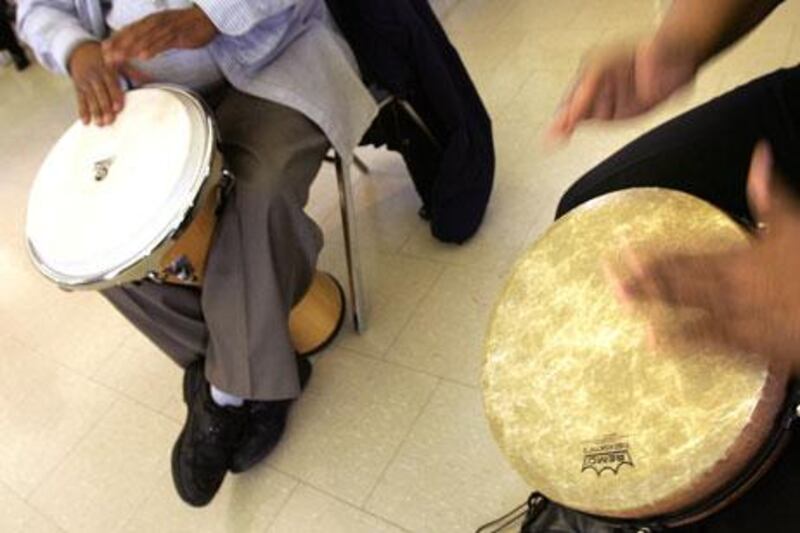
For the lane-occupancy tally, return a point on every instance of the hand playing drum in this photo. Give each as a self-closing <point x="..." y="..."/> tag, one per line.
<point x="749" y="295"/>
<point x="96" y="68"/>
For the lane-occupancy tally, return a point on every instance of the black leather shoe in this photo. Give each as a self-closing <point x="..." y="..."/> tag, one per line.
<point x="21" y="62"/>
<point x="265" y="425"/>
<point x="202" y="454"/>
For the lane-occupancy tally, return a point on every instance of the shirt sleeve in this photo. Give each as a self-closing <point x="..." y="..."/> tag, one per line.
<point x="238" y="17"/>
<point x="52" y="29"/>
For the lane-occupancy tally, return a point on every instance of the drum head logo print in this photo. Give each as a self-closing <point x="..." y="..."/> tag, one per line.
<point x="606" y="454"/>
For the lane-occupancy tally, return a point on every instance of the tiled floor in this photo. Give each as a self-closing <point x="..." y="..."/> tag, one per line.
<point x="390" y="435"/>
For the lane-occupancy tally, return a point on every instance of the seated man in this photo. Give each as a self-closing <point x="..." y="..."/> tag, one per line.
<point x="276" y="74"/>
<point x="751" y="294"/>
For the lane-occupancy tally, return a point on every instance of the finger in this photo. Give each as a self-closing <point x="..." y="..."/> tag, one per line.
<point x="83" y="108"/>
<point x="95" y="113"/>
<point x="556" y="131"/>
<point x="604" y="105"/>
<point x="746" y="335"/>
<point x="700" y="281"/>
<point x="114" y="91"/>
<point x="558" y="123"/>
<point x="103" y="101"/>
<point x="758" y="182"/>
<point x="580" y="105"/>
<point x="127" y="43"/>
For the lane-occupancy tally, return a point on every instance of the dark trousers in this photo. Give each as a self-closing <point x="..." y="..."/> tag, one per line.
<point x="8" y="39"/>
<point x="706" y="152"/>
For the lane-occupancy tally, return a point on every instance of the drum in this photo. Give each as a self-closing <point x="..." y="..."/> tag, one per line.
<point x="138" y="200"/>
<point x="594" y="416"/>
<point x="132" y="200"/>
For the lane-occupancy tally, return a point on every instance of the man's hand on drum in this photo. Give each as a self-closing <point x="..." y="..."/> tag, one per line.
<point x="749" y="296"/>
<point x="157" y="33"/>
<point x="100" y="97"/>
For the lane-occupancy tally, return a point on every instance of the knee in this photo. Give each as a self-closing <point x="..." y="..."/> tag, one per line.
<point x="567" y="202"/>
<point x="577" y="194"/>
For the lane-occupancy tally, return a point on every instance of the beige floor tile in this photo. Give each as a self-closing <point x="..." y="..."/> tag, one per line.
<point x="509" y="216"/>
<point x="175" y="408"/>
<point x="45" y="410"/>
<point x="80" y="330"/>
<point x="759" y="53"/>
<point x="349" y="422"/>
<point x="16" y="516"/>
<point x="792" y="57"/>
<point x="141" y="371"/>
<point x="320" y="513"/>
<point x="527" y="16"/>
<point x="394" y="286"/>
<point x="110" y="472"/>
<point x="449" y="475"/>
<point x="628" y="17"/>
<point x="246" y="503"/>
<point x="480" y="15"/>
<point x="446" y="335"/>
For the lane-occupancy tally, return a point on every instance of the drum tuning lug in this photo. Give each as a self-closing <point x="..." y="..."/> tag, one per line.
<point x="182" y="269"/>
<point x="155" y="277"/>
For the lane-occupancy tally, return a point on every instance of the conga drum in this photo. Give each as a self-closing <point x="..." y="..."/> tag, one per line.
<point x="139" y="200"/>
<point x="593" y="415"/>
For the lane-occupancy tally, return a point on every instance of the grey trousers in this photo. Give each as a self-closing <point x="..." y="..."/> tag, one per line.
<point x="261" y="262"/>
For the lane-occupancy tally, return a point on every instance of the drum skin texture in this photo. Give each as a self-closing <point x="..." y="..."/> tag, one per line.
<point x="588" y="411"/>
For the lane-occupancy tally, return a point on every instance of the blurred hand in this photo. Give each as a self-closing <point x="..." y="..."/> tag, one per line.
<point x="624" y="81"/>
<point x="750" y="295"/>
<point x="159" y="32"/>
<point x="100" y="97"/>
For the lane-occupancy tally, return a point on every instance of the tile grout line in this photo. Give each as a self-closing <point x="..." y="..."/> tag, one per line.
<point x="400" y="445"/>
<point x="285" y="503"/>
<point x="332" y="495"/>
<point x="411" y="315"/>
<point x="70" y="453"/>
<point x="411" y="368"/>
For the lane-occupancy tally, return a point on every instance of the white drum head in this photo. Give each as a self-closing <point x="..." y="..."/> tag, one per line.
<point x="84" y="227"/>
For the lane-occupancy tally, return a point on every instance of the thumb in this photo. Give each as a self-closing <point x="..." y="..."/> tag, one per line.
<point x="759" y="181"/>
<point x="769" y="199"/>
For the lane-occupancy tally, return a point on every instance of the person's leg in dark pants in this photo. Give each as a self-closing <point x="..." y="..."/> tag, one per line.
<point x="706" y="151"/>
<point x="8" y="39"/>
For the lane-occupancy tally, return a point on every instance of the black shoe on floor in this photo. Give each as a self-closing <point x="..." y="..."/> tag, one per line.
<point x="265" y="426"/>
<point x="21" y="62"/>
<point x="202" y="454"/>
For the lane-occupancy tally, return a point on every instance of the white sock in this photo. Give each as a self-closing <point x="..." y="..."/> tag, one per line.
<point x="223" y="399"/>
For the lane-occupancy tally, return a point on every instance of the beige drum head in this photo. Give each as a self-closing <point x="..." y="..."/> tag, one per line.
<point x="105" y="198"/>
<point x="584" y="410"/>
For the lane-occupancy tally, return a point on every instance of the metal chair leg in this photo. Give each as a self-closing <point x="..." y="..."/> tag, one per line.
<point x="412" y="113"/>
<point x="360" y="165"/>
<point x="352" y="254"/>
